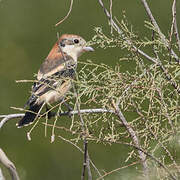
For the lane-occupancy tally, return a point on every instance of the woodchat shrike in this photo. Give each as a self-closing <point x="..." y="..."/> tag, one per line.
<point x="54" y="78"/>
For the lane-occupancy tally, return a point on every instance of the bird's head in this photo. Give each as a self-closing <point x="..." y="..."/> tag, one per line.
<point x="73" y="45"/>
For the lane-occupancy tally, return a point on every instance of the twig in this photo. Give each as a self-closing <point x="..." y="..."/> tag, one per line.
<point x="114" y="25"/>
<point x="152" y="157"/>
<point x="59" y="46"/>
<point x="171" y="34"/>
<point x="120" y="32"/>
<point x="70" y="8"/>
<point x="176" y="33"/>
<point x="108" y="173"/>
<point x="110" y="9"/>
<point x="162" y="36"/>
<point x="143" y="151"/>
<point x="169" y="78"/>
<point x="134" y="137"/>
<point x="9" y="165"/>
<point x="81" y="152"/>
<point x="153" y="135"/>
<point x="134" y="48"/>
<point x="85" y="160"/>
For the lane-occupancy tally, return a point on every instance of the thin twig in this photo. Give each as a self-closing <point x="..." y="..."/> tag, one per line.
<point x="152" y="157"/>
<point x="93" y="165"/>
<point x="153" y="135"/>
<point x="114" y="170"/>
<point x="143" y="151"/>
<point x="36" y="120"/>
<point x="110" y="9"/>
<point x="70" y="8"/>
<point x="60" y="49"/>
<point x="170" y="36"/>
<point x="169" y="78"/>
<point x="85" y="160"/>
<point x="9" y="165"/>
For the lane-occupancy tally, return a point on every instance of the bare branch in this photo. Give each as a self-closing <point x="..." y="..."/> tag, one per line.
<point x="85" y="161"/>
<point x="82" y="111"/>
<point x="153" y="135"/>
<point x="145" y="152"/>
<point x="134" y="48"/>
<point x="134" y="137"/>
<point x="169" y="78"/>
<point x="110" y="9"/>
<point x="116" y="27"/>
<point x="86" y="155"/>
<point x="163" y="38"/>
<point x="108" y="173"/>
<point x="176" y="33"/>
<point x="9" y="117"/>
<point x="93" y="165"/>
<point x="9" y="165"/>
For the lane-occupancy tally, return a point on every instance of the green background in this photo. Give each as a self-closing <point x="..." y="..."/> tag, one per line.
<point x="27" y="33"/>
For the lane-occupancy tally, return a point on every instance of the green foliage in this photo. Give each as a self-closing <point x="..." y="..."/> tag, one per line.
<point x="146" y="97"/>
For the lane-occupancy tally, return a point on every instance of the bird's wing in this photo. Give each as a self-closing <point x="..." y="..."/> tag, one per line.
<point x="53" y="65"/>
<point x="52" y="73"/>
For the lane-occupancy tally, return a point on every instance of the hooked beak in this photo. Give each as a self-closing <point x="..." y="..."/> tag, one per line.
<point x="88" y="49"/>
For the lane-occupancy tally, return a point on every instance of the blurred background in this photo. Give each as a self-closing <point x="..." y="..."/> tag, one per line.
<point x="27" y="33"/>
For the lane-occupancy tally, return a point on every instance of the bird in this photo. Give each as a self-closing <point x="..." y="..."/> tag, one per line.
<point x="54" y="78"/>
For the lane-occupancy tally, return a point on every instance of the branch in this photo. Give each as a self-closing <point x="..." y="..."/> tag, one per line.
<point x="9" y="117"/>
<point x="120" y="32"/>
<point x="143" y="151"/>
<point x="176" y="33"/>
<point x="156" y="138"/>
<point x="86" y="154"/>
<point x="134" y="137"/>
<point x="85" y="161"/>
<point x="134" y="48"/>
<point x="75" y="112"/>
<point x="81" y="152"/>
<point x="9" y="165"/>
<point x="162" y="36"/>
<point x="108" y="173"/>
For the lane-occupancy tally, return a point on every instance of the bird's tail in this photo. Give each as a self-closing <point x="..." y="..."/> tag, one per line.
<point x="29" y="116"/>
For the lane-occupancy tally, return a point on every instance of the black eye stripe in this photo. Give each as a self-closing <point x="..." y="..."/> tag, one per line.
<point x="76" y="41"/>
<point x="62" y="44"/>
<point x="65" y="42"/>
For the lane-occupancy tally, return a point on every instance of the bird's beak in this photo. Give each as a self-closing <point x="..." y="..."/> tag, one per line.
<point x="88" y="48"/>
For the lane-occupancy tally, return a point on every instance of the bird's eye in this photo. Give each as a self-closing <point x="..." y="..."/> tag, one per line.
<point x="76" y="41"/>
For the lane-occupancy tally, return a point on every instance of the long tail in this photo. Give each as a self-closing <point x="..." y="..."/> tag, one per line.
<point x="29" y="116"/>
